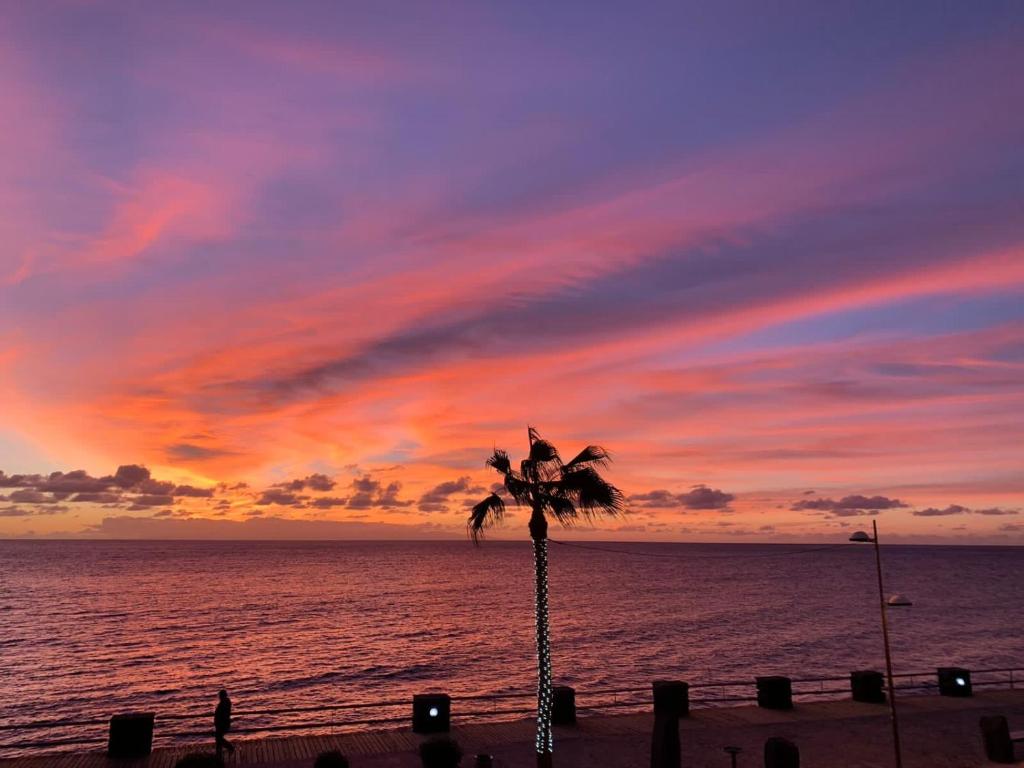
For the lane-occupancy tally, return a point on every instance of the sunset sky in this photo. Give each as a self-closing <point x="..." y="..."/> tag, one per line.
<point x="309" y="268"/>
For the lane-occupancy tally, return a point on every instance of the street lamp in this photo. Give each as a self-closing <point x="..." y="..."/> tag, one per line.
<point x="862" y="537"/>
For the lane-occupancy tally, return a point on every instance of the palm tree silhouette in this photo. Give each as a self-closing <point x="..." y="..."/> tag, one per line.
<point x="567" y="492"/>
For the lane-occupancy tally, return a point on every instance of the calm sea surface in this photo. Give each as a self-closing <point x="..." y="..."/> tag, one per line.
<point x="91" y="628"/>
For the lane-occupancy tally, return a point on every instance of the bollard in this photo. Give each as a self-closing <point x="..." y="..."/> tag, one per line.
<point x="563" y="705"/>
<point x="671" y="697"/>
<point x="131" y="735"/>
<point x="866" y="685"/>
<point x="995" y="733"/>
<point x="774" y="692"/>
<point x="431" y="713"/>
<point x="484" y="761"/>
<point x="781" y="753"/>
<point x="954" y="681"/>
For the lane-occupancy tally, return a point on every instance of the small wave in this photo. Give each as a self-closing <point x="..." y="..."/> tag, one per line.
<point x="304" y="682"/>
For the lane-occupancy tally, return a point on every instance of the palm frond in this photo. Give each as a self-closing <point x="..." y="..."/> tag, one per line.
<point x="592" y="456"/>
<point x="517" y="488"/>
<point x="500" y="461"/>
<point x="562" y="508"/>
<point x="542" y="451"/>
<point x="484" y="514"/>
<point x="592" y="494"/>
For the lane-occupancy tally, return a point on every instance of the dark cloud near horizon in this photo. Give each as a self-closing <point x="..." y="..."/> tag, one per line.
<point x="952" y="509"/>
<point x="130" y="475"/>
<point x="258" y="526"/>
<point x="370" y="493"/>
<point x="131" y="485"/>
<point x="957" y="509"/>
<point x="151" y="500"/>
<point x="328" y="502"/>
<point x="30" y="496"/>
<point x="849" y="506"/>
<point x="16" y="511"/>
<point x="281" y="497"/>
<point x="436" y="499"/>
<point x="102" y="497"/>
<point x="314" y="482"/>
<point x="699" y="497"/>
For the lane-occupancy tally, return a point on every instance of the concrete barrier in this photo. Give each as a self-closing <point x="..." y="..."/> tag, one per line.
<point x="563" y="705"/>
<point x="867" y="685"/>
<point x="954" y="681"/>
<point x="131" y="735"/>
<point x="671" y="697"/>
<point x="774" y="692"/>
<point x="431" y="713"/>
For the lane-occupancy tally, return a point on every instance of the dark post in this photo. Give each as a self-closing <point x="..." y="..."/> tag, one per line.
<point x="897" y="750"/>
<point x="671" y="701"/>
<point x="774" y="692"/>
<point x="671" y="697"/>
<point x="431" y="713"/>
<point x="131" y="735"/>
<point x="563" y="710"/>
<point x="954" y="681"/>
<point x="665" y="750"/>
<point x="867" y="685"/>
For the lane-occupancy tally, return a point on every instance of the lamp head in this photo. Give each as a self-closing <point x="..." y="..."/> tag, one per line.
<point x="860" y="536"/>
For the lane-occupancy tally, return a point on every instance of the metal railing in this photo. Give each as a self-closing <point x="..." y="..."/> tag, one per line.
<point x="482" y="707"/>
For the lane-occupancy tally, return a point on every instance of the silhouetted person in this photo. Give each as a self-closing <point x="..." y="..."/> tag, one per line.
<point x="222" y="724"/>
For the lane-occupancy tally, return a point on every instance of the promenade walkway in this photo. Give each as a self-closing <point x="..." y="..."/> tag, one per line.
<point x="937" y="732"/>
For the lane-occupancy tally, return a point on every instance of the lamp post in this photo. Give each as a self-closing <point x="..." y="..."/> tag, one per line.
<point x="861" y="536"/>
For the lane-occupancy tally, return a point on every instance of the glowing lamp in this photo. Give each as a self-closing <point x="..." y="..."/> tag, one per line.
<point x="954" y="681"/>
<point x="431" y="713"/>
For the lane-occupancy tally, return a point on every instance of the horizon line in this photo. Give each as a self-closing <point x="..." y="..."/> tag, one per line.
<point x="837" y="544"/>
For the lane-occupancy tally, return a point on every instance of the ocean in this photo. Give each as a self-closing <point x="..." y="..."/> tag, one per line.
<point x="90" y="628"/>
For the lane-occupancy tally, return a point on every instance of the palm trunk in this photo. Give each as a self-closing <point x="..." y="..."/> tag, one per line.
<point x="545" y="741"/>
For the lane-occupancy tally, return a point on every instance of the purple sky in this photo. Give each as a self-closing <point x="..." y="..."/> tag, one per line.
<point x="753" y="251"/>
